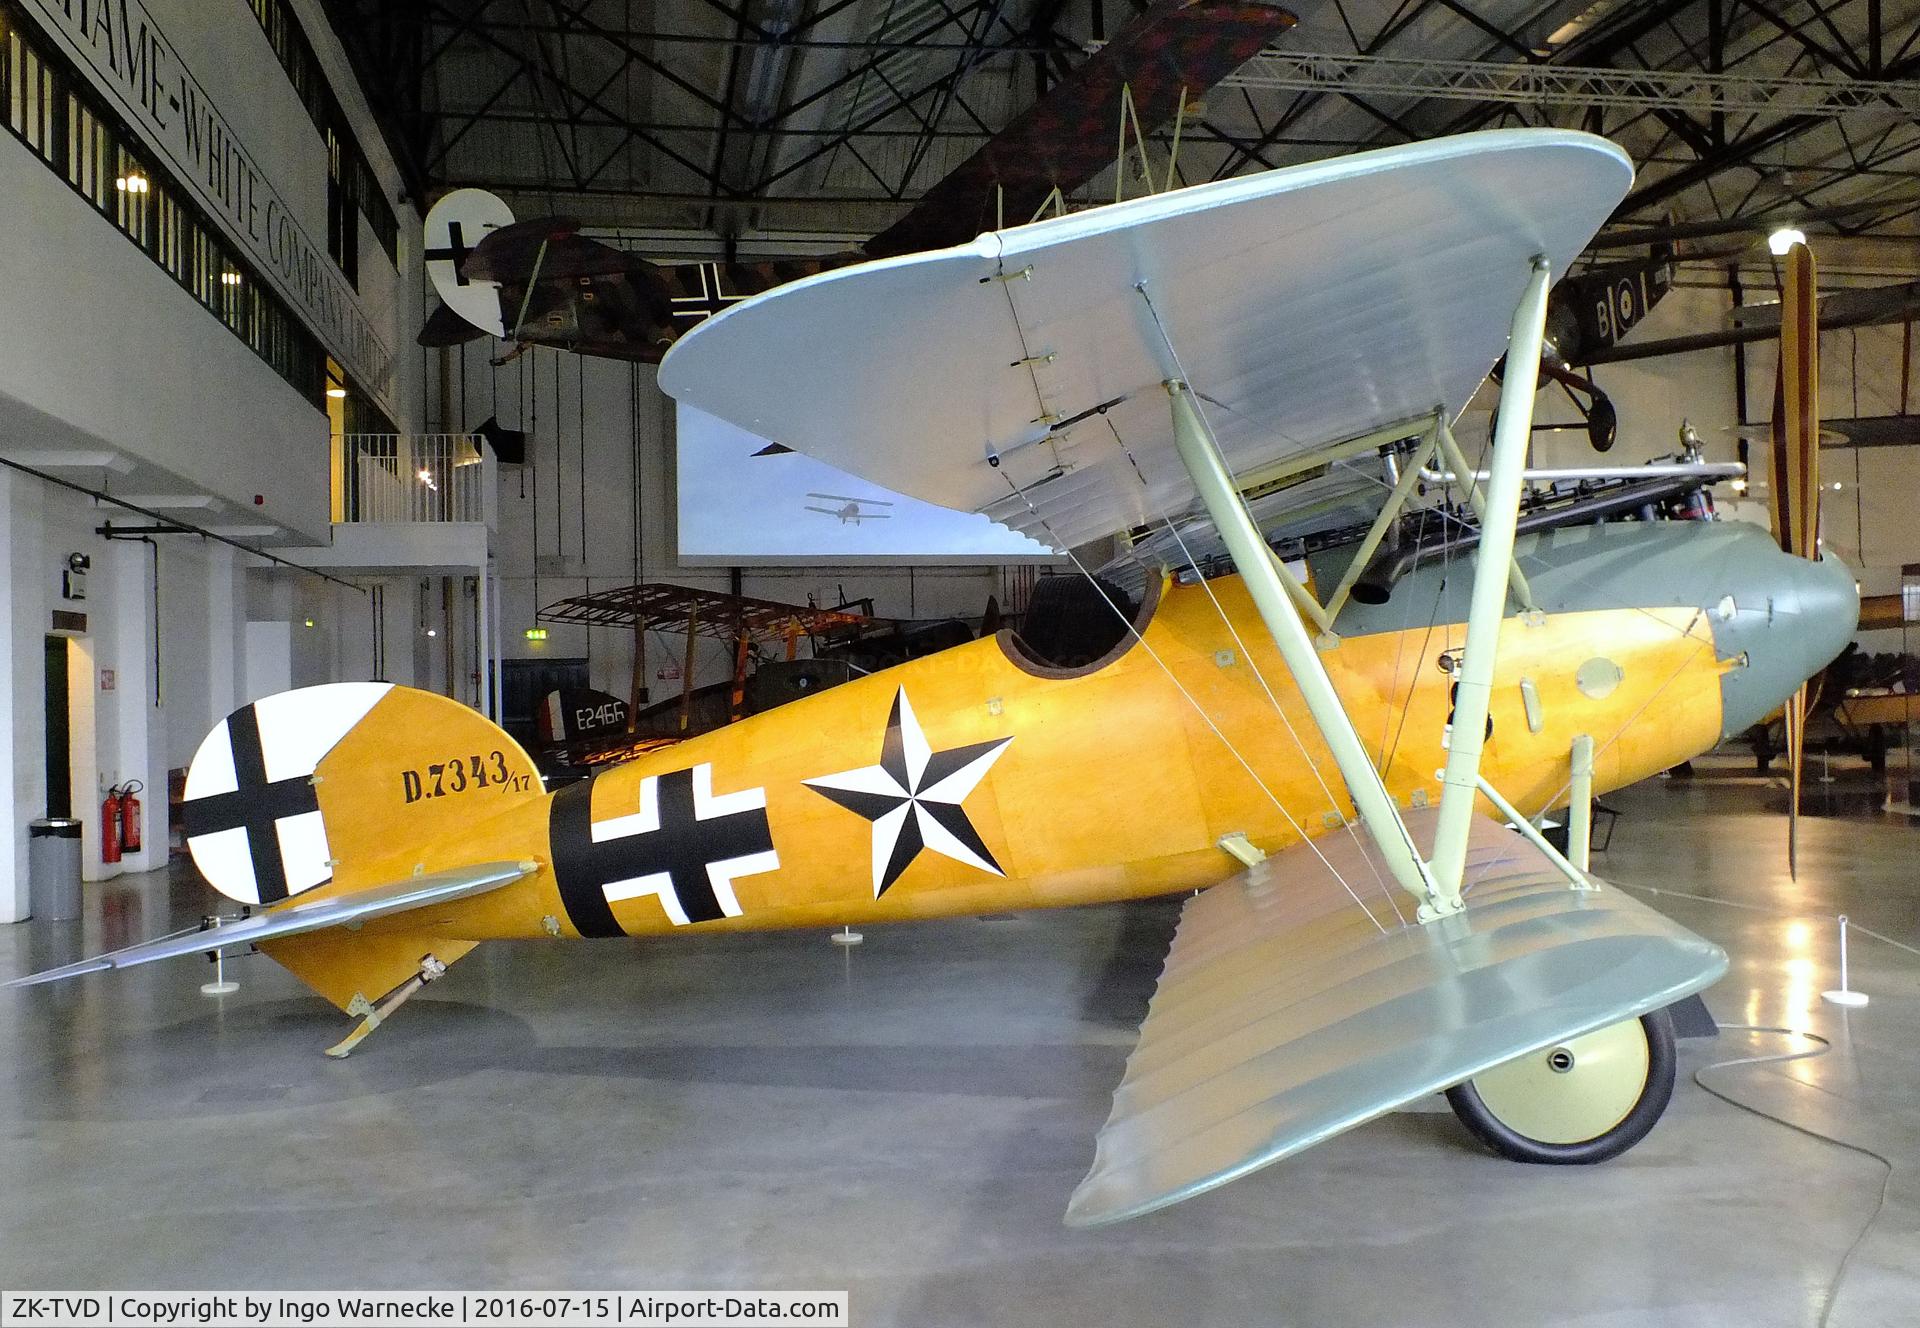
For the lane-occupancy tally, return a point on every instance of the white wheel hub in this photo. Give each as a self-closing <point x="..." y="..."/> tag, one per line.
<point x="1572" y="1091"/>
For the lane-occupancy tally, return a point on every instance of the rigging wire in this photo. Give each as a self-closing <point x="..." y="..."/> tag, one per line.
<point x="1198" y="709"/>
<point x="1200" y="410"/>
<point x="1365" y="854"/>
<point x="1026" y="351"/>
<point x="1333" y="802"/>
<point x="1565" y="789"/>
<point x="1686" y="662"/>
<point x="1388" y="737"/>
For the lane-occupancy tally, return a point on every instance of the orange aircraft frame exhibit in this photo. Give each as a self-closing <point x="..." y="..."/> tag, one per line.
<point x="738" y="620"/>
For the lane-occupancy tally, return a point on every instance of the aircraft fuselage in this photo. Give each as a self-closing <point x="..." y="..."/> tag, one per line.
<point x="979" y="780"/>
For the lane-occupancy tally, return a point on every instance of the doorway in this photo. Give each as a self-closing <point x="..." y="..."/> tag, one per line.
<point x="59" y="731"/>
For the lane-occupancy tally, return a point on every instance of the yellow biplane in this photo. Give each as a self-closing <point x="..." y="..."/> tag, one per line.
<point x="1344" y="776"/>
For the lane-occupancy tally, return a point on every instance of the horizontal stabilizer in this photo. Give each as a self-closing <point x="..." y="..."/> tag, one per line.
<point x="1284" y="1016"/>
<point x="304" y="915"/>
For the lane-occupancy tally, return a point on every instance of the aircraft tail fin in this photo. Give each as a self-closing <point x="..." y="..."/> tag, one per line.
<point x="328" y="807"/>
<point x="342" y="786"/>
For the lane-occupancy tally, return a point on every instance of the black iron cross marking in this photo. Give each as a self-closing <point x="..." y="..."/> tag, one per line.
<point x="455" y="252"/>
<point x="681" y="848"/>
<point x="254" y="805"/>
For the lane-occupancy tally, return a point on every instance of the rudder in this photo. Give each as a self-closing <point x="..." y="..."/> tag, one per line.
<point x="345" y="784"/>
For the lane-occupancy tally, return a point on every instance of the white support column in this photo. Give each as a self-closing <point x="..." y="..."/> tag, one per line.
<point x="493" y="646"/>
<point x="226" y="625"/>
<point x="1254" y="559"/>
<point x="17" y="703"/>
<point x="1580" y="803"/>
<point x="1460" y="782"/>
<point x="483" y="641"/>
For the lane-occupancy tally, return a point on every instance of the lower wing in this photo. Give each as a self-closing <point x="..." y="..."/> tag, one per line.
<point x="1286" y="1015"/>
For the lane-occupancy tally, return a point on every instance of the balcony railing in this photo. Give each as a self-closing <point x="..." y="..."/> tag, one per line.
<point x="400" y="477"/>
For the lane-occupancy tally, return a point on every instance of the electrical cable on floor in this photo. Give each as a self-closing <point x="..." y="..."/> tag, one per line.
<point x="1886" y="1183"/>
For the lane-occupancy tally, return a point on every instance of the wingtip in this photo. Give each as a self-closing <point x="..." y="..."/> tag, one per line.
<point x="74" y="970"/>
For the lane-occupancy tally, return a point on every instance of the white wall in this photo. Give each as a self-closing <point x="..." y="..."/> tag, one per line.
<point x="269" y="197"/>
<point x="582" y="538"/>
<point x="123" y="732"/>
<point x="120" y="355"/>
<point x="109" y="354"/>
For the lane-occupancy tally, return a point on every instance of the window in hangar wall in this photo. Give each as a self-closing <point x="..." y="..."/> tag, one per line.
<point x="351" y="184"/>
<point x="56" y="115"/>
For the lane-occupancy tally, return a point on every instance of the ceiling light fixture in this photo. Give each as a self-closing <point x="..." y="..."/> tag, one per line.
<point x="1784" y="239"/>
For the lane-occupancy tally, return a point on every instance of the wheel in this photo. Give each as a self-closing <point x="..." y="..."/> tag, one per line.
<point x="1581" y="1101"/>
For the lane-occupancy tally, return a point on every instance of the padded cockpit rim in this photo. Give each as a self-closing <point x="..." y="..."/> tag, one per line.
<point x="1016" y="652"/>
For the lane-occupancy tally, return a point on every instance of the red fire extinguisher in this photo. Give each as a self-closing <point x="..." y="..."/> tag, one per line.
<point x="110" y="826"/>
<point x="130" y="816"/>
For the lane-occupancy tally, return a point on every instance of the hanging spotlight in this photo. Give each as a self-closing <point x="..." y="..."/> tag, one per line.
<point x="1784" y="239"/>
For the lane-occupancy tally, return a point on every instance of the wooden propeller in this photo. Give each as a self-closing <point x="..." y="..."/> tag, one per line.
<point x="1794" y="494"/>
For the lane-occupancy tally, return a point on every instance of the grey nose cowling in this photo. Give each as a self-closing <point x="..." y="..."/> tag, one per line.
<point x="1790" y="617"/>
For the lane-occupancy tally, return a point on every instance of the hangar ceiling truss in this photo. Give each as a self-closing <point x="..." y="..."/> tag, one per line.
<point x="727" y="119"/>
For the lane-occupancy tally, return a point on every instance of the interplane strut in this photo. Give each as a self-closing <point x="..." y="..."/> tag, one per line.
<point x="1435" y="882"/>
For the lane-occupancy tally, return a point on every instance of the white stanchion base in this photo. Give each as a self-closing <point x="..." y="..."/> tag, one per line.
<point x="219" y="988"/>
<point x="1853" y="998"/>
<point x="847" y="936"/>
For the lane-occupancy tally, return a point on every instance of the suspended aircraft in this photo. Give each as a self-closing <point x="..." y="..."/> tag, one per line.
<point x="1347" y="781"/>
<point x="540" y="282"/>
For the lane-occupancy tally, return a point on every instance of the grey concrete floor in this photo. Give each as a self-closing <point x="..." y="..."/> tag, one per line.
<point x="906" y="1120"/>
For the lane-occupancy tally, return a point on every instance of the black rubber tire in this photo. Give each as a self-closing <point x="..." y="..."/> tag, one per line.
<point x="1662" y="1065"/>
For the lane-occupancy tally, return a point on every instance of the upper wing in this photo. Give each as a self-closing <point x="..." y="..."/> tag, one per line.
<point x="1025" y="369"/>
<point x="553" y="246"/>
<point x="302" y="916"/>
<point x="1284" y="1016"/>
